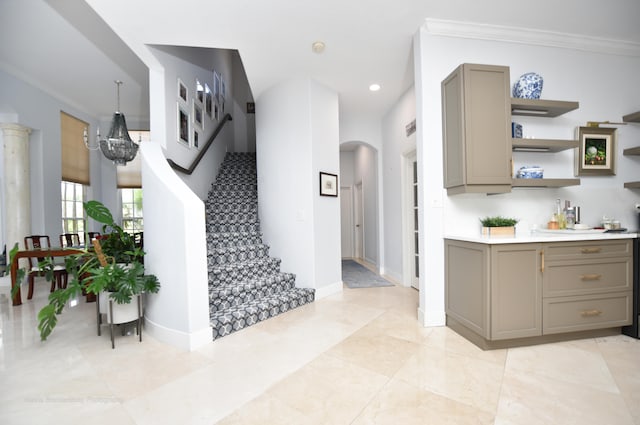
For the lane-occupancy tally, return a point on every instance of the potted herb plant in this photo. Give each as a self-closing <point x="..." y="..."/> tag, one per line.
<point x="112" y="266"/>
<point x="498" y="226"/>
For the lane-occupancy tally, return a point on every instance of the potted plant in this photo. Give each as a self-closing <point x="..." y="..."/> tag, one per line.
<point x="112" y="266"/>
<point x="498" y="226"/>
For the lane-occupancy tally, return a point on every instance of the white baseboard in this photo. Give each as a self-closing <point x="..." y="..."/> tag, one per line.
<point x="429" y="319"/>
<point x="325" y="291"/>
<point x="184" y="341"/>
<point x="390" y="274"/>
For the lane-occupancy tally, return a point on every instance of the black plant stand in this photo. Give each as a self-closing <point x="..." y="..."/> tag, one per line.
<point x="138" y="321"/>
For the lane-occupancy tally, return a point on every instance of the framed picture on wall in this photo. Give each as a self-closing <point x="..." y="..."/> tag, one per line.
<point x="183" y="124"/>
<point x="596" y="152"/>
<point x="328" y="184"/>
<point x="182" y="91"/>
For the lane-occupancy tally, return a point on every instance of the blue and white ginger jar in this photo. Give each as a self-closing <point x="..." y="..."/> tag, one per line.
<point x="528" y="86"/>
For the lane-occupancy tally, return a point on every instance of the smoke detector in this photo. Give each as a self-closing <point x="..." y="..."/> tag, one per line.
<point x="317" y="47"/>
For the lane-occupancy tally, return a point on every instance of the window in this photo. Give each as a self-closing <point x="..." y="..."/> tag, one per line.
<point x="72" y="209"/>
<point x="132" y="210"/>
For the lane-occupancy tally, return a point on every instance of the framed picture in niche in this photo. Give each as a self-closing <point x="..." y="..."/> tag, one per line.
<point x="596" y="152"/>
<point x="328" y="184"/>
<point x="182" y="91"/>
<point x="216" y="84"/>
<point x="199" y="91"/>
<point x="208" y="101"/>
<point x="198" y="116"/>
<point x="183" y="125"/>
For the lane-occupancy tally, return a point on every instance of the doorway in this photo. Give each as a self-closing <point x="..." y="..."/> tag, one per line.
<point x="411" y="233"/>
<point x="346" y="221"/>
<point x="359" y="221"/>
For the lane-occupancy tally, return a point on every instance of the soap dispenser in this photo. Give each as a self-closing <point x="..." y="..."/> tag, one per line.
<point x="570" y="214"/>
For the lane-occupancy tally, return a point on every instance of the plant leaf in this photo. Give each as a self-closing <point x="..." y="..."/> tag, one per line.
<point x="21" y="272"/>
<point x="97" y="211"/>
<point x="47" y="320"/>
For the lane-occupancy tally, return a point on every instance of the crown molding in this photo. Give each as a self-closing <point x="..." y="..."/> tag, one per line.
<point x="530" y="36"/>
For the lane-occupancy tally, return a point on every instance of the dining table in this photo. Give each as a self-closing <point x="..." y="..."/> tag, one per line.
<point x="36" y="253"/>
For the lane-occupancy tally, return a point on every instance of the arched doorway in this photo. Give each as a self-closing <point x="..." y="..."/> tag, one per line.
<point x="359" y="202"/>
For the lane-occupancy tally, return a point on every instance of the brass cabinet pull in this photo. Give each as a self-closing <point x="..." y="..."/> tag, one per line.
<point x="591" y="250"/>
<point x="542" y="260"/>
<point x="590" y="313"/>
<point x="590" y="276"/>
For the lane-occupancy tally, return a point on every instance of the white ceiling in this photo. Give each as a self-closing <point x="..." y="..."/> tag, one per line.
<point x="65" y="48"/>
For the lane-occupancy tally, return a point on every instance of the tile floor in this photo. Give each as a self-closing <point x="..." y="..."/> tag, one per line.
<point x="359" y="357"/>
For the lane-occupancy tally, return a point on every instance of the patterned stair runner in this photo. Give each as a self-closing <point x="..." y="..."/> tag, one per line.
<point x="246" y="286"/>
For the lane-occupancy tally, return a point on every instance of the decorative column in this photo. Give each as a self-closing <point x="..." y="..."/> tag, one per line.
<point x="17" y="186"/>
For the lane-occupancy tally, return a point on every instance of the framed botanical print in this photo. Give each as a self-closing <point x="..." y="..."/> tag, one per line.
<point x="596" y="152"/>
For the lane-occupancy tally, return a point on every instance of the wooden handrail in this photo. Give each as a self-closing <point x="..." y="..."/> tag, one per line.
<point x="196" y="161"/>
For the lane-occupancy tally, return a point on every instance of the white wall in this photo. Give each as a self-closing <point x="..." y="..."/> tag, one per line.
<point x="292" y="147"/>
<point x="177" y="254"/>
<point x="325" y="157"/>
<point x="606" y="87"/>
<point x="395" y="146"/>
<point x="35" y="109"/>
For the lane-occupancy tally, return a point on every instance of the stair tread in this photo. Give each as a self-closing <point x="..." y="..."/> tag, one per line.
<point x="254" y="282"/>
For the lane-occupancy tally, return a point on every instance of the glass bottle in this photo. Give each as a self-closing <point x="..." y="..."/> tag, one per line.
<point x="562" y="220"/>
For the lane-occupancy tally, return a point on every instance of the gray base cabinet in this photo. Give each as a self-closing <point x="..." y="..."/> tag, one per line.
<point x="502" y="292"/>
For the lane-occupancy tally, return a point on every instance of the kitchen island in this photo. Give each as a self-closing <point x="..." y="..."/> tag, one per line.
<point x="540" y="287"/>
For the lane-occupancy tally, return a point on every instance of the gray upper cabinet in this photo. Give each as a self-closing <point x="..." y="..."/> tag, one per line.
<point x="476" y="125"/>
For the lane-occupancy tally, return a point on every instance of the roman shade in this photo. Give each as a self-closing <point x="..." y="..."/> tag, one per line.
<point x="75" y="155"/>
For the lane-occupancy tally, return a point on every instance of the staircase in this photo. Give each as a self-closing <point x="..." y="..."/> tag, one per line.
<point x="246" y="286"/>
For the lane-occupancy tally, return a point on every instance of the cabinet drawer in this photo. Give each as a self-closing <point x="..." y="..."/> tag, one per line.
<point x="570" y="314"/>
<point x="588" y="250"/>
<point x="583" y="278"/>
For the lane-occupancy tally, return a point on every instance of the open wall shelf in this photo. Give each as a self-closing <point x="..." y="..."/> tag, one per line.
<point x="545" y="182"/>
<point x="542" y="145"/>
<point x="541" y="107"/>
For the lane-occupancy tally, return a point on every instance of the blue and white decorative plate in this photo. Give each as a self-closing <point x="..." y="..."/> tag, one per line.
<point x="528" y="86"/>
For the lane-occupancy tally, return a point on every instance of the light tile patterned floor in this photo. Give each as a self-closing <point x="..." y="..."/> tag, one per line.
<point x="359" y="357"/>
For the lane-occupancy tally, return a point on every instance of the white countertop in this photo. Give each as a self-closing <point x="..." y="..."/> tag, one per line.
<point x="544" y="236"/>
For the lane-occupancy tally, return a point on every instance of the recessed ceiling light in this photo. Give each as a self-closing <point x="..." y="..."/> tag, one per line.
<point x="374" y="87"/>
<point x="317" y="47"/>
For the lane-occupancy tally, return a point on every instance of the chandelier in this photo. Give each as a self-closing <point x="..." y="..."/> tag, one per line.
<point x="118" y="146"/>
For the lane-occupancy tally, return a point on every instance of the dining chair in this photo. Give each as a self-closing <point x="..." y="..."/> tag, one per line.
<point x="138" y="239"/>
<point x="69" y="240"/>
<point x="91" y="236"/>
<point x="59" y="272"/>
